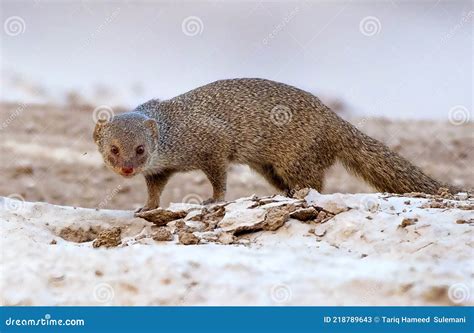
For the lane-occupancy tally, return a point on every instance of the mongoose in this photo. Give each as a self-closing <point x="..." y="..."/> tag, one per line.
<point x="286" y="134"/>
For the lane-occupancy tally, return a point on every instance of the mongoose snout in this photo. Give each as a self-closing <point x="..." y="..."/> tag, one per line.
<point x="127" y="171"/>
<point x="126" y="143"/>
<point x="286" y="134"/>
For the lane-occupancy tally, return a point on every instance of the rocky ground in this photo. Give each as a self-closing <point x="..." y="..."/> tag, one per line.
<point x="313" y="249"/>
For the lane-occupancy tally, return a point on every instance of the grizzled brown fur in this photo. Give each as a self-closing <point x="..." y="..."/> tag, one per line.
<point x="284" y="133"/>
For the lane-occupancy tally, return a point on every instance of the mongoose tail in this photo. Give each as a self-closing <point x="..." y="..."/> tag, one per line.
<point x="382" y="168"/>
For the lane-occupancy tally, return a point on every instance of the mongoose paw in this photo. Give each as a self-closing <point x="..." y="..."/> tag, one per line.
<point x="290" y="192"/>
<point x="144" y="209"/>
<point x="210" y="201"/>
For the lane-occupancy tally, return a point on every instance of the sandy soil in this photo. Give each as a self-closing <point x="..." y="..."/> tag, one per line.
<point x="47" y="154"/>
<point x="362" y="249"/>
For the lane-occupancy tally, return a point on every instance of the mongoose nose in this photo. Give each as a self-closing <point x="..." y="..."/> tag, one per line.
<point x="127" y="170"/>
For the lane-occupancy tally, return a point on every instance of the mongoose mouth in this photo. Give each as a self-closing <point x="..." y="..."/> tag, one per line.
<point x="127" y="172"/>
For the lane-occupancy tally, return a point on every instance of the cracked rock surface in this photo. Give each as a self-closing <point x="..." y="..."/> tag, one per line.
<point x="314" y="249"/>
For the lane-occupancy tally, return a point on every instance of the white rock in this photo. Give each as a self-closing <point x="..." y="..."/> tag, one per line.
<point x="358" y="261"/>
<point x="242" y="219"/>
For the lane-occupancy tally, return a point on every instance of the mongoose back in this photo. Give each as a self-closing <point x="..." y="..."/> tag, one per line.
<point x="286" y="134"/>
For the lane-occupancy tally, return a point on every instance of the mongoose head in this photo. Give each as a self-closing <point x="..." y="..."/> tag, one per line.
<point x="127" y="142"/>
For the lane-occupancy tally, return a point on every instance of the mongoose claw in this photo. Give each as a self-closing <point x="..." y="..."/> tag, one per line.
<point x="210" y="201"/>
<point x="143" y="209"/>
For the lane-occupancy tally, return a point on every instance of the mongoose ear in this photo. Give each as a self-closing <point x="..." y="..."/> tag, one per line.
<point x="98" y="129"/>
<point x="153" y="126"/>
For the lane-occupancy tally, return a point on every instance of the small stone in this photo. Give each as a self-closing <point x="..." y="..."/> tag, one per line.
<point x="161" y="216"/>
<point x="195" y="225"/>
<point x="162" y="234"/>
<point x="275" y="218"/>
<point x="323" y="217"/>
<point x="435" y="204"/>
<point x="407" y="221"/>
<point x="445" y="193"/>
<point x="108" y="238"/>
<point x="226" y="238"/>
<point x="470" y="221"/>
<point x="462" y="196"/>
<point x="188" y="238"/>
<point x="210" y="236"/>
<point x="238" y="221"/>
<point x="305" y="214"/>
<point x="180" y="224"/>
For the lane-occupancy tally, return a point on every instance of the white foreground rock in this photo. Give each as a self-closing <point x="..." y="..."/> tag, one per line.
<point x="365" y="255"/>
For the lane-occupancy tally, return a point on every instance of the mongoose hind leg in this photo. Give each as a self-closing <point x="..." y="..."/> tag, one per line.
<point x="155" y="184"/>
<point x="217" y="175"/>
<point x="269" y="173"/>
<point x="289" y="181"/>
<point x="304" y="173"/>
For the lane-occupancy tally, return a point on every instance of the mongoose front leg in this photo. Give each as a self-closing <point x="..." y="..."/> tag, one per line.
<point x="217" y="175"/>
<point x="155" y="184"/>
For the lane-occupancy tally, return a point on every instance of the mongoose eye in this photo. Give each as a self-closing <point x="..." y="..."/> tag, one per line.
<point x="140" y="150"/>
<point x="114" y="150"/>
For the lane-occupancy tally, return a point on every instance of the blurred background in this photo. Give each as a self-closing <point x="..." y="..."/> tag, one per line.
<point x="389" y="58"/>
<point x="401" y="71"/>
